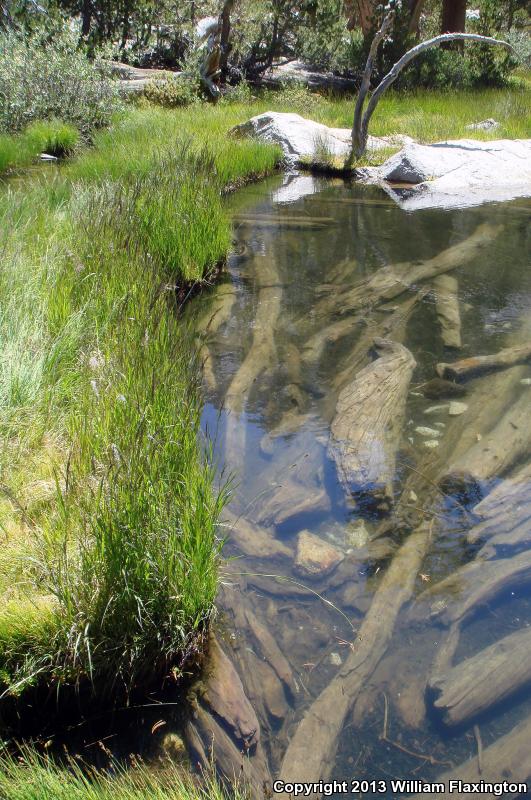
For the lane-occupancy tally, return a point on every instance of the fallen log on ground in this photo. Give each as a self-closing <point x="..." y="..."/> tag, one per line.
<point x="390" y="282"/>
<point x="468" y="368"/>
<point x="320" y="728"/>
<point x="447" y="309"/>
<point x="508" y="759"/>
<point x="367" y="428"/>
<point x="478" y="683"/>
<point x="504" y="516"/>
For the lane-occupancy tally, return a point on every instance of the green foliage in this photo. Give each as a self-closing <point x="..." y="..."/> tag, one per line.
<point x="13" y="152"/>
<point x="45" y="76"/>
<point x="35" y="777"/>
<point x="241" y="93"/>
<point x="120" y="566"/>
<point x="325" y="43"/>
<point x="173" y="92"/>
<point x="53" y="137"/>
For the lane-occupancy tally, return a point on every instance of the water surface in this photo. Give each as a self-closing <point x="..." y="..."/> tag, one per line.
<point x="292" y="256"/>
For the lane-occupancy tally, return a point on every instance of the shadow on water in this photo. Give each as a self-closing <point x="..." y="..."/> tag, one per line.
<point x="284" y="338"/>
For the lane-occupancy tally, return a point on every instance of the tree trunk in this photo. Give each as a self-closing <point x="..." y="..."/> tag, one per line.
<point x="86" y="17"/>
<point x="453" y="21"/>
<point x="360" y="127"/>
<point x="415" y="10"/>
<point x="224" y="23"/>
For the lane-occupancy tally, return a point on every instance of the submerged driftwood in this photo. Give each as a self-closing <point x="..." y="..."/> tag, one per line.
<point x="390" y="282"/>
<point x="319" y="730"/>
<point x="253" y="540"/>
<point x="480" y="682"/>
<point x="508" y="759"/>
<point x="480" y="365"/>
<point x="259" y="357"/>
<point x="446" y="290"/>
<point x="367" y="427"/>
<point x="463" y="593"/>
<point x="496" y="452"/>
<point x="224" y="727"/>
<point x="504" y="516"/>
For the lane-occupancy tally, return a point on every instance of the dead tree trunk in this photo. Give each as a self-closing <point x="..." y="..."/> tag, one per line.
<point x="480" y="365"/>
<point x="319" y="730"/>
<point x="360" y="128"/>
<point x="367" y="427"/>
<point x="484" y="680"/>
<point x="509" y="756"/>
<point x="453" y="19"/>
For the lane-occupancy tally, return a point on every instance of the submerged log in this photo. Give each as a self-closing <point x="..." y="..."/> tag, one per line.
<point x="508" y="759"/>
<point x="320" y="728"/>
<point x="390" y="282"/>
<point x="219" y="311"/>
<point x="253" y="540"/>
<point x="259" y="357"/>
<point x="480" y="365"/>
<point x="292" y="499"/>
<point x="493" y="455"/>
<point x="484" y="680"/>
<point x="270" y="651"/>
<point x="504" y="516"/>
<point x="463" y="593"/>
<point x="280" y="221"/>
<point x="447" y="308"/>
<point x="314" y="347"/>
<point x="392" y="326"/>
<point x="224" y="729"/>
<point x="367" y="427"/>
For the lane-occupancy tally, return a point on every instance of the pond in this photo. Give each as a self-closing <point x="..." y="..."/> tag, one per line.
<point x="361" y="561"/>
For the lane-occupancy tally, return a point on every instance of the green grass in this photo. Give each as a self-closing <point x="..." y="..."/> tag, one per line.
<point x="106" y="495"/>
<point x="37" y="778"/>
<point x="53" y="137"/>
<point x="109" y="567"/>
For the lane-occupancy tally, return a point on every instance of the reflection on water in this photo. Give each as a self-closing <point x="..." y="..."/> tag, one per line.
<point x="286" y="337"/>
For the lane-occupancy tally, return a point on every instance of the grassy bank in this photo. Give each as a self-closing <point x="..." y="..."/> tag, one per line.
<point x="35" y="778"/>
<point x="109" y="566"/>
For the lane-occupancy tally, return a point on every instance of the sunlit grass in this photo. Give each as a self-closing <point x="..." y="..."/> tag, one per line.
<point x="110" y="572"/>
<point x="32" y="777"/>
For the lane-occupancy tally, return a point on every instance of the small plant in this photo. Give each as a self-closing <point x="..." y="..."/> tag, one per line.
<point x="173" y="92"/>
<point x="54" y="137"/>
<point x="241" y="93"/>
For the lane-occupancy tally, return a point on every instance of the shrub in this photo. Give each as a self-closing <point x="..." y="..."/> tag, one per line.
<point x="173" y="92"/>
<point x="45" y="76"/>
<point x="241" y="93"/>
<point x="54" y="137"/>
<point x="521" y="43"/>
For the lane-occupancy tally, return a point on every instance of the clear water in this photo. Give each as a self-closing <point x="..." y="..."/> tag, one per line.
<point x="273" y="439"/>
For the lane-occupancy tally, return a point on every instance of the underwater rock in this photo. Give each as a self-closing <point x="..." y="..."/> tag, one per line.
<point x="314" y="557"/>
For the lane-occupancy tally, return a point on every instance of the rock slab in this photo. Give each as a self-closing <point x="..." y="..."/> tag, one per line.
<point x="300" y="138"/>
<point x="456" y="173"/>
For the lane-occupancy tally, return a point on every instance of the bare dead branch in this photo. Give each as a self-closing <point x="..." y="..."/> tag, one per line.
<point x="360" y="129"/>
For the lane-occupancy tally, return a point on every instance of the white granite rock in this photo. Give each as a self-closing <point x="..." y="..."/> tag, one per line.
<point x="457" y="173"/>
